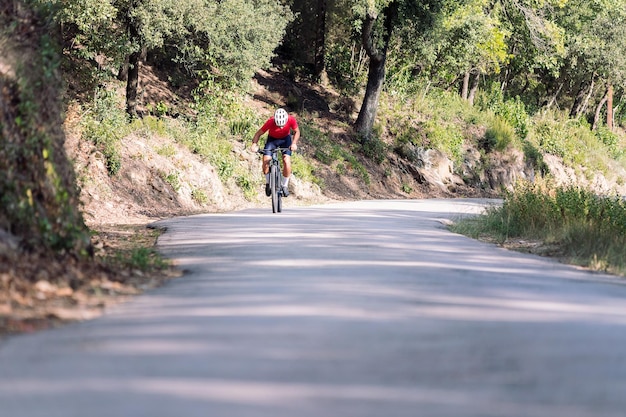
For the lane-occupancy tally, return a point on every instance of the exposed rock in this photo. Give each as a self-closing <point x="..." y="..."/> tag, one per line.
<point x="596" y="181"/>
<point x="8" y="243"/>
<point x="506" y="168"/>
<point x="302" y="190"/>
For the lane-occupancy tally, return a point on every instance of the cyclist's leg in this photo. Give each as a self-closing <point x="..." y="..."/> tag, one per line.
<point x="286" y="165"/>
<point x="270" y="144"/>
<point x="286" y="143"/>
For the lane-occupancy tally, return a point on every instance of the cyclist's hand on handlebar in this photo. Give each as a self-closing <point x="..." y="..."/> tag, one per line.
<point x="293" y="147"/>
<point x="254" y="148"/>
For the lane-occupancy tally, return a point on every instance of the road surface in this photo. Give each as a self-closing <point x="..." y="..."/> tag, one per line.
<point x="368" y="309"/>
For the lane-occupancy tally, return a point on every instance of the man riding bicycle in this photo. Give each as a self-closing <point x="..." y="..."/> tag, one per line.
<point x="279" y="128"/>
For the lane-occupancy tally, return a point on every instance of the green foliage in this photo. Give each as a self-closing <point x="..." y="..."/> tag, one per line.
<point x="611" y="140"/>
<point x="329" y="151"/>
<point x="104" y="125"/>
<point x="167" y="150"/>
<point x="446" y="137"/>
<point x="498" y="136"/>
<point x="38" y="196"/>
<point x="304" y="169"/>
<point x="141" y="258"/>
<point x="91" y="27"/>
<point x="247" y="185"/>
<point x="571" y="140"/>
<point x="534" y="156"/>
<point x="466" y="36"/>
<point x="347" y="66"/>
<point x="595" y="39"/>
<point x="375" y="149"/>
<point x="173" y="179"/>
<point x="228" y="38"/>
<point x="589" y="229"/>
<point x="511" y="110"/>
<point x="158" y="110"/>
<point x="199" y="196"/>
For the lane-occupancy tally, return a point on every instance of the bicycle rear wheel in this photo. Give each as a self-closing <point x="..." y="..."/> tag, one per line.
<point x="274" y="187"/>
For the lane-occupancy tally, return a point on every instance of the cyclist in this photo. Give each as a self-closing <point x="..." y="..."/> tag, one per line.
<point x="280" y="128"/>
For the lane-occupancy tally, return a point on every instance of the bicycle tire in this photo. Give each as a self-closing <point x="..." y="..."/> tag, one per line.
<point x="274" y="187"/>
<point x="279" y="189"/>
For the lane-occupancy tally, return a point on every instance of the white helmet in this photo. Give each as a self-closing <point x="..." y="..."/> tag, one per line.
<point x="280" y="117"/>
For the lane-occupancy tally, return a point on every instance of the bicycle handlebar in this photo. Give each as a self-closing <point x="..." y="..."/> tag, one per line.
<point x="275" y="150"/>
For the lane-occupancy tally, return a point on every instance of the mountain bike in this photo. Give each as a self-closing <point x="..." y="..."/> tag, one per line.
<point x="276" y="180"/>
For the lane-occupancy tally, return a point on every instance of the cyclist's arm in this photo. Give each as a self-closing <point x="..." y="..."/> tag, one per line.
<point x="257" y="136"/>
<point x="296" y="136"/>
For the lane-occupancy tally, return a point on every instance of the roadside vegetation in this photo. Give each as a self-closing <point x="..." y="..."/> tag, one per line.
<point x="571" y="223"/>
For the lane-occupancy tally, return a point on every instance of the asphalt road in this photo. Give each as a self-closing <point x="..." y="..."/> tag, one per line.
<point x="369" y="309"/>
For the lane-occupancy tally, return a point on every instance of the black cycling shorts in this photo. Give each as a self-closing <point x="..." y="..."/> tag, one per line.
<point x="273" y="143"/>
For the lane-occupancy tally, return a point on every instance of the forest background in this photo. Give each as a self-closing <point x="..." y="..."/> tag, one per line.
<point x="123" y="111"/>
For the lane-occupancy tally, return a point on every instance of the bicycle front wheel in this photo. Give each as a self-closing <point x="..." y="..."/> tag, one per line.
<point x="274" y="184"/>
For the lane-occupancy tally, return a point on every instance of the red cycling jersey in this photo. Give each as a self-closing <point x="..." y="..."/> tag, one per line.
<point x="276" y="132"/>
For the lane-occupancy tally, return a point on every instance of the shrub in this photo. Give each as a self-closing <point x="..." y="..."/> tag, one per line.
<point x="375" y="149"/>
<point x="610" y="140"/>
<point x="446" y="137"/>
<point x="498" y="136"/>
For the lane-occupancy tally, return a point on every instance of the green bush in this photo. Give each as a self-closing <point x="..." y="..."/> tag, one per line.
<point x="499" y="135"/>
<point x="173" y="179"/>
<point x="611" y="140"/>
<point x="512" y="110"/>
<point x="446" y="137"/>
<point x="375" y="149"/>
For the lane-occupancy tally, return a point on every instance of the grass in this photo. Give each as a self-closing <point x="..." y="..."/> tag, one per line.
<point x="333" y="153"/>
<point x="583" y="228"/>
<point x="132" y="248"/>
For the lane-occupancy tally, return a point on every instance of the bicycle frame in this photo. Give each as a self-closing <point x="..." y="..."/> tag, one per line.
<point x="276" y="179"/>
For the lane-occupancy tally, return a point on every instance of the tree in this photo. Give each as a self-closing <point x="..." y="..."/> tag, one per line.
<point x="377" y="54"/>
<point x="469" y="41"/>
<point x="595" y="43"/>
<point x="221" y="37"/>
<point x="378" y="21"/>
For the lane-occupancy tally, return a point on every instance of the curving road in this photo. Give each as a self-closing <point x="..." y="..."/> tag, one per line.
<point x="357" y="309"/>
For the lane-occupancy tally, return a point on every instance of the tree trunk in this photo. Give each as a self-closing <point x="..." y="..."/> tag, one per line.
<point x="596" y="118"/>
<point x="592" y="87"/>
<point x="505" y="80"/>
<point x="554" y="97"/>
<point x="132" y="84"/>
<point x="474" y="88"/>
<point x="609" y="108"/>
<point x="320" y="40"/>
<point x="122" y="74"/>
<point x="376" y="74"/>
<point x="582" y="98"/>
<point x="367" y="114"/>
<point x="465" y="87"/>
